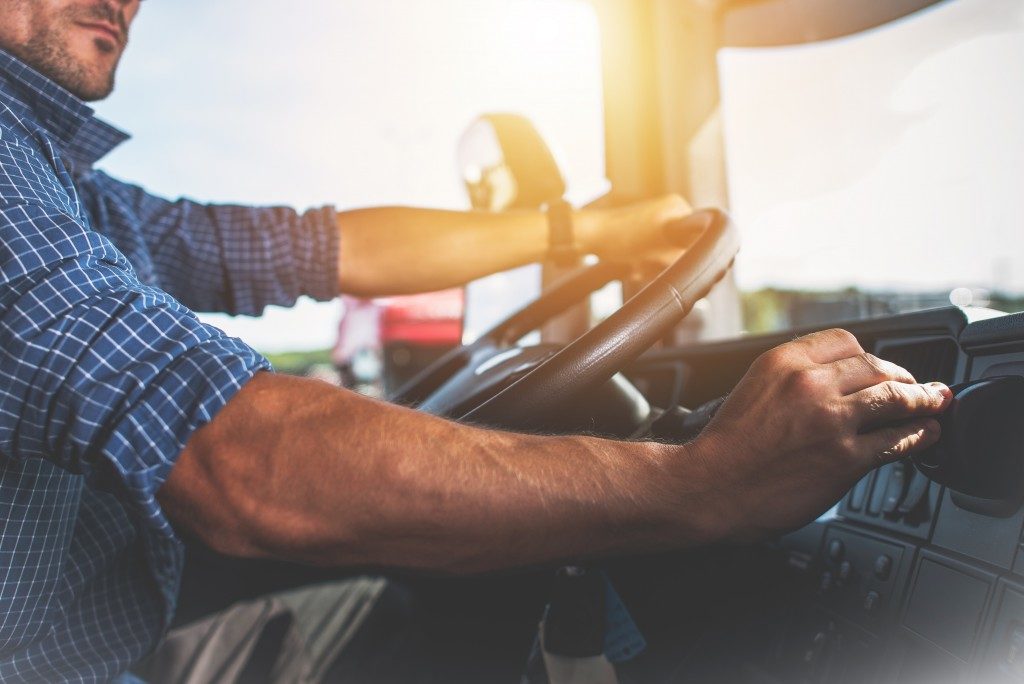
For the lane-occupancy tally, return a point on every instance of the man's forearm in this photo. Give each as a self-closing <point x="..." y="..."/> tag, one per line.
<point x="400" y="250"/>
<point x="297" y="469"/>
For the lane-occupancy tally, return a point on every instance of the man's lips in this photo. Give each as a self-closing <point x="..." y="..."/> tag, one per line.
<point x="107" y="30"/>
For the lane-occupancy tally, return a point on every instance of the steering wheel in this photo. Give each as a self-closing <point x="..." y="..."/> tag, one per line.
<point x="493" y="382"/>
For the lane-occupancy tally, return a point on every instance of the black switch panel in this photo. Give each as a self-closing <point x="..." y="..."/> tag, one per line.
<point x="862" y="576"/>
<point x="895" y="497"/>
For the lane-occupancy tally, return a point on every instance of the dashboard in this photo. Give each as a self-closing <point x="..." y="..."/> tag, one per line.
<point x="908" y="581"/>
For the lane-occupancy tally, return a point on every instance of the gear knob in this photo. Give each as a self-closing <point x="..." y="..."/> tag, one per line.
<point x="981" y="451"/>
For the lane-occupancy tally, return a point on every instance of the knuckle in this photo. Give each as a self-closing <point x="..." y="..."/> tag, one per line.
<point x="901" y="373"/>
<point x="873" y="364"/>
<point x="677" y="201"/>
<point x="888" y="396"/>
<point x="842" y="334"/>
<point x="875" y="403"/>
<point x="772" y="358"/>
<point x="802" y="382"/>
<point x="895" y="393"/>
<point x="845" y="338"/>
<point x="764" y="360"/>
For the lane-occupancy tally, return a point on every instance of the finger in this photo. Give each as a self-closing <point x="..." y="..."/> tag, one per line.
<point x="892" y="400"/>
<point x="682" y="233"/>
<point x="866" y="370"/>
<point x="892" y="443"/>
<point x="828" y="345"/>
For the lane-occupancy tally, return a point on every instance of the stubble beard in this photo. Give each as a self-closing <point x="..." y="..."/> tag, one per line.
<point x="47" y="52"/>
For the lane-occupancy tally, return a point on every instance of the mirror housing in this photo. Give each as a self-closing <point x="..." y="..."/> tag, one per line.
<point x="506" y="164"/>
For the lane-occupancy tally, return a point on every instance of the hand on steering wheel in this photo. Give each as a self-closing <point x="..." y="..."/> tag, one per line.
<point x="489" y="382"/>
<point x="635" y="231"/>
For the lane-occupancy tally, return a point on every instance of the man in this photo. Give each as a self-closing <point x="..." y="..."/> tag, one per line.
<point x="124" y="421"/>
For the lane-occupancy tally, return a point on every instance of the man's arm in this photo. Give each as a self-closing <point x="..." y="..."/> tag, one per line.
<point x="218" y="257"/>
<point x="296" y="469"/>
<point x="238" y="260"/>
<point x="402" y="250"/>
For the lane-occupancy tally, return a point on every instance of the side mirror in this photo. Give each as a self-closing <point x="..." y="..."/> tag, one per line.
<point x="506" y="164"/>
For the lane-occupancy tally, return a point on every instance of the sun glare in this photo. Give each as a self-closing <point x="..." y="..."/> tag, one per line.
<point x="351" y="103"/>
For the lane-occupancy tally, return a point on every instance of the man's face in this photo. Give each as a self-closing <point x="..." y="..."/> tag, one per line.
<point x="77" y="43"/>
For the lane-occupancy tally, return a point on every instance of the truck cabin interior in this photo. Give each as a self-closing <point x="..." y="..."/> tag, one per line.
<point x="917" y="575"/>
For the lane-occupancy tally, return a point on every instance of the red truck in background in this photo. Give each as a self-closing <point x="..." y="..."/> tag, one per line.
<point x="384" y="342"/>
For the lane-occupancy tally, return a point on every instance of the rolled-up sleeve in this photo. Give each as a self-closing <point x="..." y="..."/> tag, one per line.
<point x="221" y="257"/>
<point x="99" y="373"/>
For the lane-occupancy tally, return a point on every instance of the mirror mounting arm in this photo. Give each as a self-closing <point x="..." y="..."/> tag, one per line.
<point x="562" y="248"/>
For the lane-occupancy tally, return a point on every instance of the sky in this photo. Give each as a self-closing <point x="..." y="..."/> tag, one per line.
<point x="889" y="159"/>
<point x="345" y="102"/>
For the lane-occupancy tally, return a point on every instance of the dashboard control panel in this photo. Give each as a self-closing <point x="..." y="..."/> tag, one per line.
<point x="931" y="567"/>
<point x="918" y="576"/>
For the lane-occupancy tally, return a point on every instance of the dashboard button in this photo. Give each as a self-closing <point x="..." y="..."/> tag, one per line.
<point x="883" y="567"/>
<point x="877" y="499"/>
<point x="871" y="602"/>
<point x="836" y="549"/>
<point x="917" y="492"/>
<point x="895" y="488"/>
<point x="845" y="570"/>
<point x="860" y="493"/>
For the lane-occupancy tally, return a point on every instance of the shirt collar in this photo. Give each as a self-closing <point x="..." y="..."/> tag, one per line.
<point x="83" y="137"/>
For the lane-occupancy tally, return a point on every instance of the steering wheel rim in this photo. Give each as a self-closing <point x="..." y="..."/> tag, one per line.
<point x="503" y="335"/>
<point x="594" y="357"/>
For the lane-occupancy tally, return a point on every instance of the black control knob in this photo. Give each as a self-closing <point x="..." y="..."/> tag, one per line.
<point x="981" y="451"/>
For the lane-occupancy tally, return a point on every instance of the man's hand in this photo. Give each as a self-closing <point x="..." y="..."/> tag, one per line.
<point x="634" y="232"/>
<point x="807" y="421"/>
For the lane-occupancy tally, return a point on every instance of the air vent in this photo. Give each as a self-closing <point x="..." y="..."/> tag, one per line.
<point x="928" y="361"/>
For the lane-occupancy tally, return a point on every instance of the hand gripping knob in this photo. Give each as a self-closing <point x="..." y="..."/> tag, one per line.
<point x="981" y="451"/>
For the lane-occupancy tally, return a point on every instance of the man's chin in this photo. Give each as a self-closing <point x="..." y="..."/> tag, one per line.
<point x="88" y="89"/>
<point x="89" y="82"/>
<point x="80" y="69"/>
<point x="93" y="79"/>
<point x="96" y="93"/>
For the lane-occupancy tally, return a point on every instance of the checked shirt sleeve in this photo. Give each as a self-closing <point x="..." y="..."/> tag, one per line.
<point x="99" y="373"/>
<point x="223" y="258"/>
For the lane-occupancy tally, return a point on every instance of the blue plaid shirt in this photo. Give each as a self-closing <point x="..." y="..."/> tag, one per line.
<point x="105" y="373"/>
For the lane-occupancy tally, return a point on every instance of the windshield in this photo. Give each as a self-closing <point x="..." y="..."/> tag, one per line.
<point x="351" y="104"/>
<point x="882" y="171"/>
